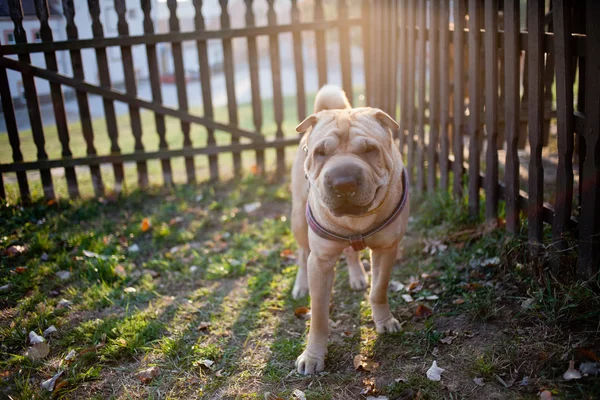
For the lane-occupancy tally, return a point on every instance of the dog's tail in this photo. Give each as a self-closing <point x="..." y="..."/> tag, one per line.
<point x="331" y="97"/>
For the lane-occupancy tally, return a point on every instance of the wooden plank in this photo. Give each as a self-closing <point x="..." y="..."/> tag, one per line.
<point x="366" y="46"/>
<point x="512" y="86"/>
<point x="228" y="66"/>
<point x="410" y="111"/>
<point x="403" y="92"/>
<point x="126" y="98"/>
<point x="548" y="81"/>
<point x="255" y="82"/>
<point x="459" y="96"/>
<point x="374" y="49"/>
<point x="589" y="229"/>
<point x="131" y="88"/>
<point x="109" y="107"/>
<point x="2" y="191"/>
<point x="154" y="75"/>
<point x="58" y="105"/>
<point x="344" y="41"/>
<point x="444" y="46"/>
<point x="298" y="64"/>
<point x="82" y="100"/>
<point x="13" y="134"/>
<point x="491" y="111"/>
<point x="33" y="107"/>
<point x="205" y="83"/>
<point x="320" y="43"/>
<point x="475" y="105"/>
<point x="148" y="155"/>
<point x="277" y="94"/>
<point x="565" y="127"/>
<point x="421" y="20"/>
<point x="434" y="96"/>
<point x="579" y="22"/>
<point x="535" y="55"/>
<point x="98" y="43"/>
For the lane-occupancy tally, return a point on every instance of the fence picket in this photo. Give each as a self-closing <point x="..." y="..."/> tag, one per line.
<point x="344" y="41"/>
<point x="13" y="134"/>
<point x="131" y="87"/>
<point x="589" y="230"/>
<point x="422" y="84"/>
<point x="459" y="96"/>
<point x="109" y="107"/>
<point x="228" y="64"/>
<point x="33" y="106"/>
<point x="213" y="160"/>
<point x="491" y="110"/>
<point x="535" y="55"/>
<point x="411" y="70"/>
<point x="512" y="86"/>
<point x="255" y="83"/>
<point x="154" y="75"/>
<point x="475" y="106"/>
<point x="277" y="94"/>
<point x="318" y="15"/>
<point x="82" y="100"/>
<point x="58" y="105"/>
<point x="366" y="42"/>
<point x="444" y="48"/>
<point x="402" y="92"/>
<point x="434" y="95"/>
<point x="565" y="128"/>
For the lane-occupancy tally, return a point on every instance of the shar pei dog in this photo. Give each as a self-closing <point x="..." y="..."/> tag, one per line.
<point x="350" y="192"/>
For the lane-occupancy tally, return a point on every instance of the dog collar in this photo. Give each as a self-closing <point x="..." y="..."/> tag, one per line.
<point x="358" y="241"/>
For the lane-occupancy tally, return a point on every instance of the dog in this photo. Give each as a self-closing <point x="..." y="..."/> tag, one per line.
<point x="349" y="192"/>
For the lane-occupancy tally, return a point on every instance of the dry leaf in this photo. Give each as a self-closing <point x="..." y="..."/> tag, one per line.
<point x="61" y="385"/>
<point x="63" y="303"/>
<point x="362" y="363"/>
<point x="21" y="270"/>
<point x="407" y="298"/>
<point x="434" y="373"/>
<point x="370" y="387"/>
<point x="5" y="288"/>
<point x="251" y="207"/>
<point x="414" y="287"/>
<point x="432" y="297"/>
<point x="396" y="286"/>
<point x="459" y="301"/>
<point x="49" y="330"/>
<point x="34" y="338"/>
<point x="38" y="351"/>
<point x="206" y="362"/>
<point x="587" y="353"/>
<point x="204" y="326"/>
<point x="71" y="356"/>
<point x="377" y="398"/>
<point x="146" y="225"/>
<point x="298" y="394"/>
<point x="571" y="373"/>
<point x="134" y="248"/>
<point x="546" y="395"/>
<point x="478" y="381"/>
<point x="130" y="289"/>
<point x="590" y="368"/>
<point x="63" y="275"/>
<point x="302" y="312"/>
<point x="15" y="250"/>
<point x="448" y="339"/>
<point x="49" y="384"/>
<point x="148" y="374"/>
<point x="423" y="311"/>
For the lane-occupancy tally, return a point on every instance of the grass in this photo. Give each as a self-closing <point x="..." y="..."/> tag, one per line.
<point x="205" y="261"/>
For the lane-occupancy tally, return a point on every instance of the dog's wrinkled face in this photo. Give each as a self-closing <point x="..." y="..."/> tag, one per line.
<point x="349" y="158"/>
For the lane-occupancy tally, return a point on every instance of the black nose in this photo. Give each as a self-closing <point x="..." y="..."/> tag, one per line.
<point x="343" y="180"/>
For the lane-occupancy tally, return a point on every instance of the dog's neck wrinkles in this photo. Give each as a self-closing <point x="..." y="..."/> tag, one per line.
<point x="350" y="225"/>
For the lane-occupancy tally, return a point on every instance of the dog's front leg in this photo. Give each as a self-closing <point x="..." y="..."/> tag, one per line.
<point x="320" y="280"/>
<point x="382" y="260"/>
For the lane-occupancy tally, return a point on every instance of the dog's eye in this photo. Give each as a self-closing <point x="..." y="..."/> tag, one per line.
<point x="371" y="149"/>
<point x="320" y="152"/>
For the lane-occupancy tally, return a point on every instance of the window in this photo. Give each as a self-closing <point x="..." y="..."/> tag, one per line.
<point x="9" y="37"/>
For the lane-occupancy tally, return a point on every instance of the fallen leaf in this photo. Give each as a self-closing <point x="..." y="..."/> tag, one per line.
<point x="5" y="288"/>
<point x="370" y="387"/>
<point x="175" y="221"/>
<point x="587" y="353"/>
<point x="251" y="207"/>
<point x="298" y="394"/>
<point x="34" y="338"/>
<point x="193" y="269"/>
<point x="448" y="339"/>
<point x="49" y="384"/>
<point x="459" y="301"/>
<point x="49" y="330"/>
<point x="63" y="275"/>
<point x="432" y="297"/>
<point x="44" y="257"/>
<point x="71" y="356"/>
<point x="377" y="398"/>
<point x="15" y="250"/>
<point x="204" y="326"/>
<point x="302" y="312"/>
<point x="134" y="248"/>
<point x="154" y="274"/>
<point x="61" y="385"/>
<point x="546" y="395"/>
<point x="423" y="311"/>
<point x="21" y="270"/>
<point x="148" y="374"/>
<point x="414" y="287"/>
<point x="571" y="373"/>
<point x="590" y="368"/>
<point x="63" y="303"/>
<point x="490" y="262"/>
<point x="434" y="373"/>
<point x="206" y="362"/>
<point x="527" y="304"/>
<point x="396" y="286"/>
<point x="478" y="381"/>
<point x="130" y="289"/>
<point x="347" y="334"/>
<point x="120" y="271"/>
<point x="287" y="253"/>
<point x="361" y="362"/>
<point x="146" y="225"/>
<point x="407" y="298"/>
<point x="38" y="351"/>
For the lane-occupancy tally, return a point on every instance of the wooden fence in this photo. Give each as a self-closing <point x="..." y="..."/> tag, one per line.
<point x="475" y="84"/>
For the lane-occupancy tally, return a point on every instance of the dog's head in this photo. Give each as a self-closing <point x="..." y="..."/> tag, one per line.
<point x="349" y="157"/>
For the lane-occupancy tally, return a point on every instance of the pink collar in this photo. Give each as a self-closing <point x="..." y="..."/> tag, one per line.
<point x="358" y="241"/>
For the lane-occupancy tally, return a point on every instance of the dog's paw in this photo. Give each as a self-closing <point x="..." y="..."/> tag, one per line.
<point x="308" y="364"/>
<point x="299" y="291"/>
<point x="359" y="282"/>
<point x="390" y="325"/>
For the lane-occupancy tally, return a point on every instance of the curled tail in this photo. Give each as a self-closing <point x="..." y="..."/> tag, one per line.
<point x="331" y="97"/>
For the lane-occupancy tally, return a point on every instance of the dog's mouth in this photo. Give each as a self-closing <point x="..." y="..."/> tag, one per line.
<point x="349" y="209"/>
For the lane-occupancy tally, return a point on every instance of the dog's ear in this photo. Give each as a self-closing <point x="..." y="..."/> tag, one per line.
<point x="386" y="120"/>
<point x="307" y="123"/>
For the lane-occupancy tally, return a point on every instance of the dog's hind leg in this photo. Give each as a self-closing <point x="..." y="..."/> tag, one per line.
<point x="359" y="280"/>
<point x="300" y="230"/>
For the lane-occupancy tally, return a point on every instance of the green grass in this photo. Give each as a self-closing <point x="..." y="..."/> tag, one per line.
<point x="206" y="260"/>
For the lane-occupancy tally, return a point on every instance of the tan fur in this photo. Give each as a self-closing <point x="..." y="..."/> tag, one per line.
<point x="343" y="133"/>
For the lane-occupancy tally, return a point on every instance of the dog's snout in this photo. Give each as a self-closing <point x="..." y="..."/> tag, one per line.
<point x="344" y="180"/>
